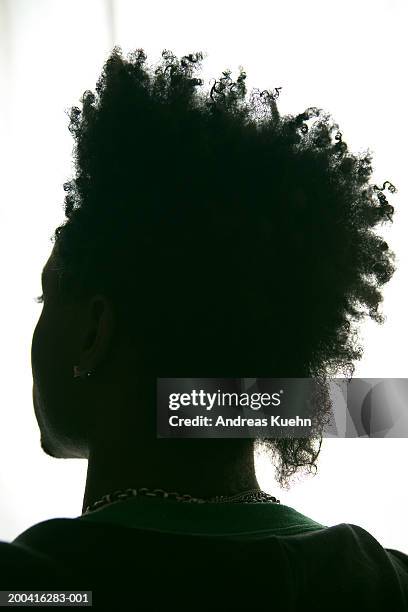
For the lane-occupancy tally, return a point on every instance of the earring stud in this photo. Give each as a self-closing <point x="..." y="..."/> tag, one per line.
<point x="80" y="374"/>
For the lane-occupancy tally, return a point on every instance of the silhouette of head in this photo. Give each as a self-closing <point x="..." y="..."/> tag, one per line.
<point x="205" y="235"/>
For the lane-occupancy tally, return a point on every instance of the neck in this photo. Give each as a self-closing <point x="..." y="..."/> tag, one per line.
<point x="202" y="468"/>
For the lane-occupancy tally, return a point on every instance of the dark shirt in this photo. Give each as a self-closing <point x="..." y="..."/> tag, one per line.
<point x="147" y="553"/>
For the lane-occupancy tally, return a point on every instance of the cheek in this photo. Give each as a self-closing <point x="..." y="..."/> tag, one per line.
<point x="42" y="351"/>
<point x="50" y="359"/>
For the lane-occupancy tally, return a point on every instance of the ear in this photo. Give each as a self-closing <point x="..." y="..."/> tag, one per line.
<point x="98" y="330"/>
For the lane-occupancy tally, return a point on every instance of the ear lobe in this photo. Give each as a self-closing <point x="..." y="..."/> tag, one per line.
<point x="90" y="340"/>
<point x="99" y="333"/>
<point x="97" y="307"/>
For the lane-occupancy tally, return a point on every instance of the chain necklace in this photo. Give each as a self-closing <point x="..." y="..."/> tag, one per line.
<point x="246" y="497"/>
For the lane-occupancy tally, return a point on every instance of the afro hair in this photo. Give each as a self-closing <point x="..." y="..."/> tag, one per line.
<point x="233" y="241"/>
